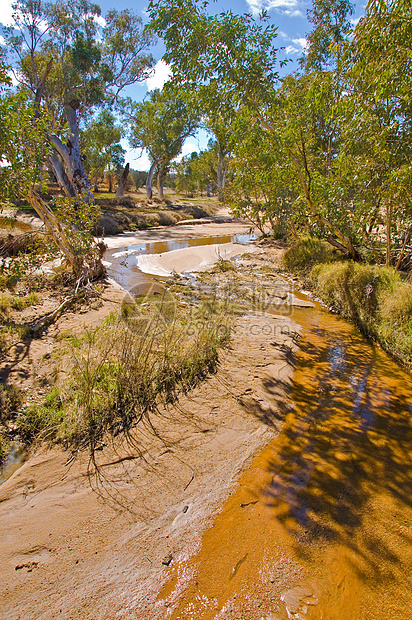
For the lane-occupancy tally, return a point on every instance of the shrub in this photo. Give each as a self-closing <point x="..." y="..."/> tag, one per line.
<point x="373" y="297"/>
<point x="305" y="253"/>
<point x="11" y="400"/>
<point x="125" y="368"/>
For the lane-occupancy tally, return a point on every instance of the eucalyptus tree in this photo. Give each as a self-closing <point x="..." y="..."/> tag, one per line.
<point x="24" y="150"/>
<point x="197" y="172"/>
<point x="234" y="57"/>
<point x="101" y="148"/>
<point x="161" y="125"/>
<point x="68" y="60"/>
<point x="222" y="144"/>
<point x="378" y="124"/>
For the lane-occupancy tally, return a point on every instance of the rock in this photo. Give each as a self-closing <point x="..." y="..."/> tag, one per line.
<point x="167" y="560"/>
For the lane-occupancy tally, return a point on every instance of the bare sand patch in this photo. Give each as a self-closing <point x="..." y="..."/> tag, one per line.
<point x="193" y="259"/>
<point x="98" y="552"/>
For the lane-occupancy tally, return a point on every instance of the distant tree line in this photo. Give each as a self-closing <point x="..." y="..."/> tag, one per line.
<point x="325" y="149"/>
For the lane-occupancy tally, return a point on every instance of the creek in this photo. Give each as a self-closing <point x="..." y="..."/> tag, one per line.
<point x="320" y="526"/>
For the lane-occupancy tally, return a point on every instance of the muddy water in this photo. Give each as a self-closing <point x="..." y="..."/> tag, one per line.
<point x="122" y="262"/>
<point x="320" y="526"/>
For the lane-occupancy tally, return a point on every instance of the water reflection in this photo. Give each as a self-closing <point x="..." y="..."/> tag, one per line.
<point x="346" y="446"/>
<point x="122" y="263"/>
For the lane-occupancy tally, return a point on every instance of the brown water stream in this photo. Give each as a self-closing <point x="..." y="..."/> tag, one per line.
<point x="321" y="524"/>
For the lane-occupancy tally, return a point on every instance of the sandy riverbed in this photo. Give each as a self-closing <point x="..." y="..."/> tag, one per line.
<point x="81" y="547"/>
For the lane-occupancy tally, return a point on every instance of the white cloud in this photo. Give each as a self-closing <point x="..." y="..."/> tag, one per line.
<point x="188" y="148"/>
<point x="99" y="20"/>
<point x="355" y="21"/>
<point x="6" y="12"/>
<point x="2" y="40"/>
<point x="161" y="74"/>
<point x="300" y="42"/>
<point x="138" y="159"/>
<point x="299" y="46"/>
<point x="291" y="8"/>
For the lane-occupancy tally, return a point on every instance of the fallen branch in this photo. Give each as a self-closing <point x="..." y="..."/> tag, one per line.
<point x="51" y="317"/>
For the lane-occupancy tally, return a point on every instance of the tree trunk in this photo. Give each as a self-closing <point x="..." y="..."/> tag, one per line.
<point x="388" y="233"/>
<point x="160" y="177"/>
<point x="90" y="268"/>
<point x="70" y="159"/>
<point x="401" y="255"/>
<point x="110" y="177"/>
<point x="149" y="190"/>
<point x="55" y="229"/>
<point x="61" y="176"/>
<point x="122" y="181"/>
<point x="221" y="175"/>
<point x="322" y="220"/>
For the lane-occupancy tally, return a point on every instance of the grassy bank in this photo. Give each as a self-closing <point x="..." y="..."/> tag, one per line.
<point x="120" y="372"/>
<point x="375" y="298"/>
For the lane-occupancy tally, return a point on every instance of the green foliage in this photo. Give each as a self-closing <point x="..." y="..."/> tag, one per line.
<point x="306" y="252"/>
<point x="162" y="124"/>
<point x="101" y="145"/>
<point x="195" y="172"/>
<point x="326" y="151"/>
<point x="91" y="62"/>
<point x="223" y="265"/>
<point x="232" y="55"/>
<point x="125" y="368"/>
<point x="23" y="145"/>
<point x="13" y="302"/>
<point x="11" y="401"/>
<point x="374" y="298"/>
<point x="331" y="28"/>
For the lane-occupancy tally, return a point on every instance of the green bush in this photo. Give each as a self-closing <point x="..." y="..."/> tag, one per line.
<point x="11" y="401"/>
<point x="124" y="369"/>
<point x="306" y="252"/>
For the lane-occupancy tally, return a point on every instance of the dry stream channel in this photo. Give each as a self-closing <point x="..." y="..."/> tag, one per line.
<point x="320" y="525"/>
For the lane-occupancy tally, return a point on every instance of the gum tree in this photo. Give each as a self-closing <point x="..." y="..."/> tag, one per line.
<point x="100" y="144"/>
<point x="24" y="150"/>
<point x="161" y="126"/>
<point x="234" y="58"/>
<point x="70" y="60"/>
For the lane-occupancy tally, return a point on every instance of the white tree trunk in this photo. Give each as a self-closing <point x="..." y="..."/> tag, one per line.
<point x="149" y="180"/>
<point x="75" y="180"/>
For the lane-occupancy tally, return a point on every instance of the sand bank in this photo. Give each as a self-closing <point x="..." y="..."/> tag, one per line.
<point x="188" y="260"/>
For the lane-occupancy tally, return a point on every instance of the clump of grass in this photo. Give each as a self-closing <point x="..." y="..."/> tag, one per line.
<point x="124" y="369"/>
<point x="14" y="302"/>
<point x="223" y="265"/>
<point x="306" y="252"/>
<point x="375" y="298"/>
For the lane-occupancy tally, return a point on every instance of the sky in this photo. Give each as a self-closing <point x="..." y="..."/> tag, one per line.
<point x="290" y="17"/>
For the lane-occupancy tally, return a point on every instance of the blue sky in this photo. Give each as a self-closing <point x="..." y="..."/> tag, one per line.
<point x="288" y="15"/>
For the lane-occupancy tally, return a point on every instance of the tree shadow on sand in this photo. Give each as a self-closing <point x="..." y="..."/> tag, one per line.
<point x="345" y="446"/>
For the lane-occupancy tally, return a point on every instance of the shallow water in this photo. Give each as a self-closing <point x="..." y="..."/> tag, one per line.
<point x="122" y="262"/>
<point x="14" y="460"/>
<point x="321" y="524"/>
